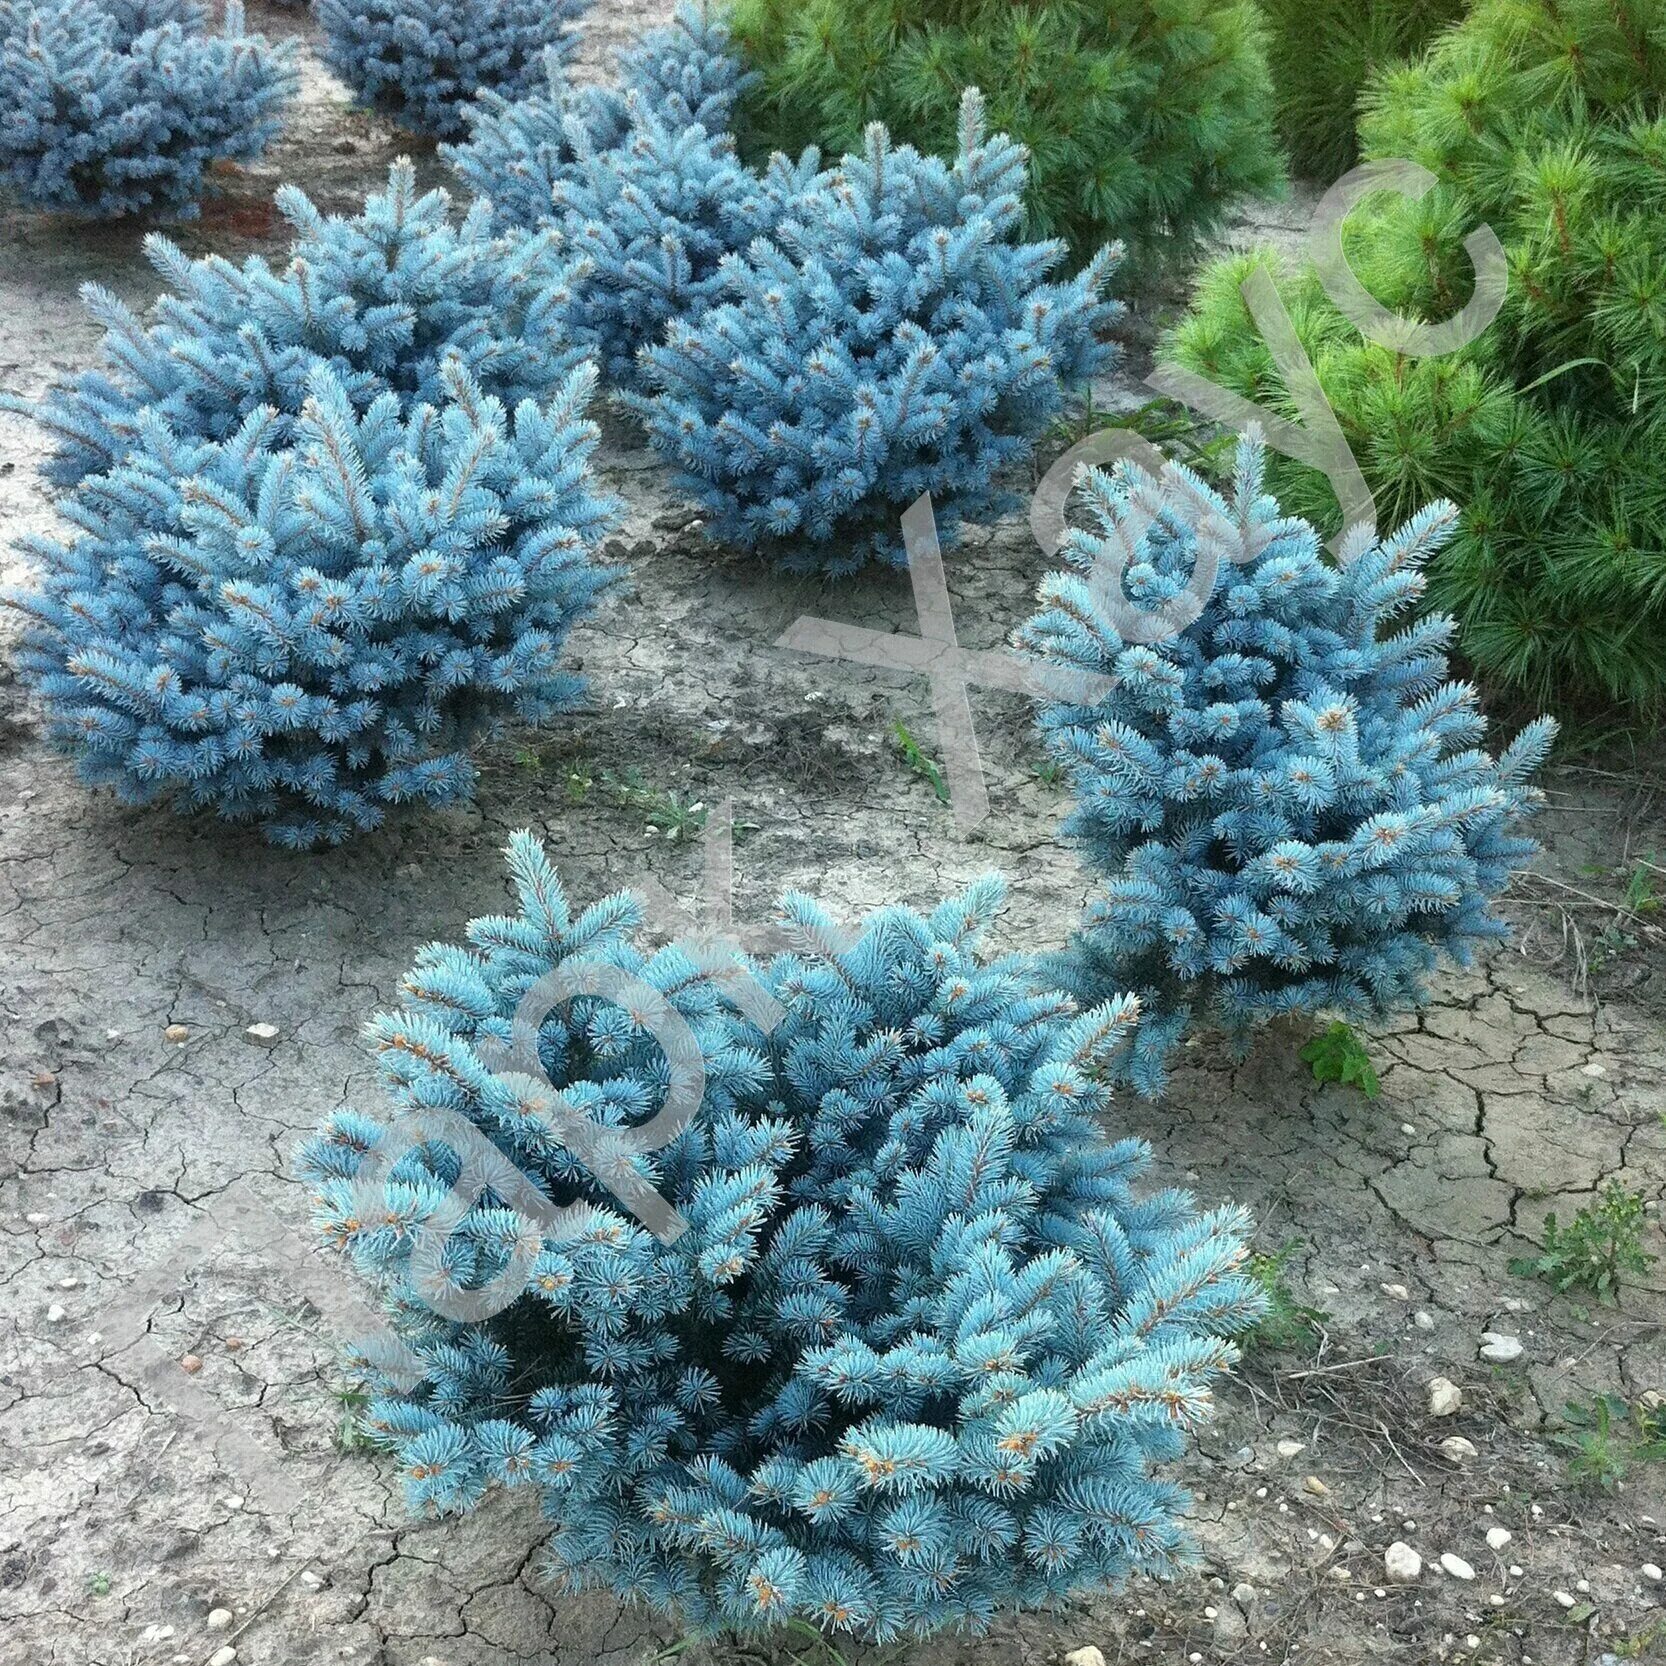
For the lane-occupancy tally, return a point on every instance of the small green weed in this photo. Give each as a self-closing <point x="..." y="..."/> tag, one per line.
<point x="1602" y="1242"/>
<point x="1610" y="944"/>
<point x="908" y="749"/>
<point x="1647" y="1644"/>
<point x="1338" y="1055"/>
<point x="349" y="1436"/>
<point x="1641" y="896"/>
<point x="98" y="1584"/>
<point x="1607" y="1437"/>
<point x="1287" y="1327"/>
<point x="661" y="810"/>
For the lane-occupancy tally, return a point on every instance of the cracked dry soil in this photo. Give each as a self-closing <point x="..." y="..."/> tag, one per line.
<point x="123" y="1154"/>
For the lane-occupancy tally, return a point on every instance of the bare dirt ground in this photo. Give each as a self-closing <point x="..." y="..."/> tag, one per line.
<point x="124" y="1524"/>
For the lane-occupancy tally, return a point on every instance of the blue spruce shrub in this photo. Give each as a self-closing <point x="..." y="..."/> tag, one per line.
<point x="382" y="299"/>
<point x="891" y="338"/>
<point x="329" y="524"/>
<point x="642" y="181"/>
<point x="422" y="61"/>
<point x="655" y="217"/>
<point x="1289" y="799"/>
<point x="520" y="148"/>
<point x="921" y="1341"/>
<point x="116" y="107"/>
<point x="688" y="71"/>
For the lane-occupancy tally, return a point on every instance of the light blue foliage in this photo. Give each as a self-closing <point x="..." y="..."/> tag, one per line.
<point x="642" y="180"/>
<point x="383" y="298"/>
<point x="891" y="338"/>
<point x="329" y="523"/>
<point x="422" y="61"/>
<point x="520" y="148"/>
<point x="1289" y="799"/>
<point x="921" y="1340"/>
<point x="117" y="107"/>
<point x="656" y="217"/>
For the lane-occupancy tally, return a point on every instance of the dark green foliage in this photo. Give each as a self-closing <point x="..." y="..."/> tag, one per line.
<point x="1603" y="1241"/>
<point x="1322" y="53"/>
<point x="1547" y="122"/>
<point x="1144" y="118"/>
<point x="1336" y="1054"/>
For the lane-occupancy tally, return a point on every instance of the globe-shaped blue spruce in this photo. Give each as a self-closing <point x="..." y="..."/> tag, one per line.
<point x="117" y="107"/>
<point x="382" y="299"/>
<point x="655" y="217"/>
<point x="1289" y="800"/>
<point x="643" y="181"/>
<point x="891" y="338"/>
<point x="519" y="149"/>
<point x="422" y="61"/>
<point x="920" y="1340"/>
<point x="329" y="524"/>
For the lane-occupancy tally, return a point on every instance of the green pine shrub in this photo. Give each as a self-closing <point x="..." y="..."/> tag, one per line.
<point x="1544" y="119"/>
<point x="1144" y="118"/>
<point x="1323" y="52"/>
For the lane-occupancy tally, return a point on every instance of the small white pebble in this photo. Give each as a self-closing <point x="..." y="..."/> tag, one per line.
<point x="1651" y="1571"/>
<point x="262" y="1035"/>
<point x="1087" y="1655"/>
<point x="1407" y="1128"/>
<point x="1456" y="1566"/>
<point x="219" y="1619"/>
<point x="1515" y="1572"/>
<point x="55" y="1314"/>
<point x="223" y="1657"/>
<point x="1564" y="1598"/>
<point x="1423" y="1321"/>
<point x="1398" y="1292"/>
<point x="312" y="1581"/>
<point x="1402" y="1563"/>
<point x="1291" y="1448"/>
<point x="1446" y="1399"/>
<point x="1498" y="1537"/>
